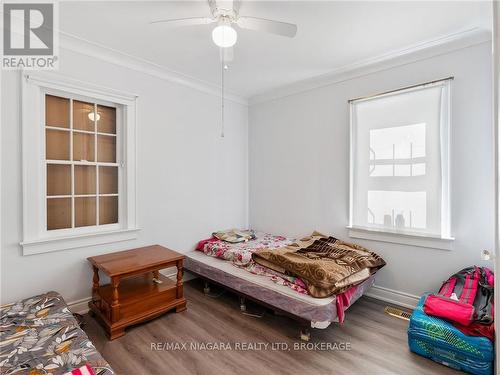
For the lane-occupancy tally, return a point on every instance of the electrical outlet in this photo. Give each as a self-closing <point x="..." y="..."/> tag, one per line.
<point x="487" y="255"/>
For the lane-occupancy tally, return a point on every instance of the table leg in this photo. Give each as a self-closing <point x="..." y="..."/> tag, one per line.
<point x="180" y="293"/>
<point x="95" y="287"/>
<point x="156" y="277"/>
<point x="115" y="305"/>
<point x="180" y="271"/>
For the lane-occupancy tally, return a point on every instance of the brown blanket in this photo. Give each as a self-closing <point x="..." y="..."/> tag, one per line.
<point x="327" y="265"/>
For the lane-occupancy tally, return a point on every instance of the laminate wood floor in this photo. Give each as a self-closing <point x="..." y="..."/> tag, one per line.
<point x="378" y="342"/>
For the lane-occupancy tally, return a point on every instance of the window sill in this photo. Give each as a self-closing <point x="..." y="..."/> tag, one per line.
<point x="46" y="245"/>
<point x="432" y="242"/>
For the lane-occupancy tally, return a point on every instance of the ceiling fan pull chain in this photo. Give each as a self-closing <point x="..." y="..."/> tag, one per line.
<point x="222" y="93"/>
<point x="225" y="36"/>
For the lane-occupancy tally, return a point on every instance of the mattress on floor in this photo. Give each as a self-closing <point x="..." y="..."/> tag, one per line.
<point x="39" y="335"/>
<point x="319" y="311"/>
<point x="440" y="341"/>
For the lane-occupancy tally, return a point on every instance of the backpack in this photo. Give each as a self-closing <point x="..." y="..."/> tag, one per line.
<point x="465" y="298"/>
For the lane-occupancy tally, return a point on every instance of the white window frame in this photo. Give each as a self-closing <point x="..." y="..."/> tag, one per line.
<point x="36" y="238"/>
<point x="443" y="241"/>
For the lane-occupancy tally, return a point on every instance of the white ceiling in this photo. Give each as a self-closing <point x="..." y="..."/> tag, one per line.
<point x="331" y="34"/>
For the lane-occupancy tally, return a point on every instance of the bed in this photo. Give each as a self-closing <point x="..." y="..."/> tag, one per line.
<point x="39" y="335"/>
<point x="231" y="266"/>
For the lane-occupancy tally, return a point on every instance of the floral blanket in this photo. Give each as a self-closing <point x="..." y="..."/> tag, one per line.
<point x="39" y="335"/>
<point x="240" y="254"/>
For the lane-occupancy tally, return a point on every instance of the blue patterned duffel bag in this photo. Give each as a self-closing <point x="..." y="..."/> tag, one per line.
<point x="440" y="341"/>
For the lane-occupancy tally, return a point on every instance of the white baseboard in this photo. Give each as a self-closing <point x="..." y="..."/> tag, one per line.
<point x="394" y="297"/>
<point x="80" y="306"/>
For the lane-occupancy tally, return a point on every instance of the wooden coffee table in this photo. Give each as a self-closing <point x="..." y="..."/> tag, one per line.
<point x="137" y="291"/>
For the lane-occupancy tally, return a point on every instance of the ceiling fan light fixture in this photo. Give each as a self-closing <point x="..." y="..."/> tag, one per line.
<point x="224" y="36"/>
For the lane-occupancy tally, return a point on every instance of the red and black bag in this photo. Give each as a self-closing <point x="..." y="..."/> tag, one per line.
<point x="466" y="298"/>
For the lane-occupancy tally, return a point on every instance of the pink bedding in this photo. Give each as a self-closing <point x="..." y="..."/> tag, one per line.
<point x="240" y="254"/>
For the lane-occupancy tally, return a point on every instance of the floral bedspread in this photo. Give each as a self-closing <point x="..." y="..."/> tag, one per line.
<point x="39" y="335"/>
<point x="240" y="254"/>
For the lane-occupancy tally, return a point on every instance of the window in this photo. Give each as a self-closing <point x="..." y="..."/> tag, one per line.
<point x="81" y="161"/>
<point x="79" y="165"/>
<point x="399" y="162"/>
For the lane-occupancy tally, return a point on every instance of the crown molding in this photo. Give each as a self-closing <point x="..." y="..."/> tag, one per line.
<point x="413" y="53"/>
<point x="88" y="48"/>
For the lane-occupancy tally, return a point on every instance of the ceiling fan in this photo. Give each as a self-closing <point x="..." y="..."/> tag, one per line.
<point x="224" y="35"/>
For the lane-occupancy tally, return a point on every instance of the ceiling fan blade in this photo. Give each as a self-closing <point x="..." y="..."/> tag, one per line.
<point x="213" y="7"/>
<point x="236" y="6"/>
<point x="179" y="22"/>
<point x="270" y="26"/>
<point x="226" y="54"/>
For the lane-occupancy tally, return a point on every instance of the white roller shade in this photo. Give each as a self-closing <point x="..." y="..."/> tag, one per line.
<point x="399" y="161"/>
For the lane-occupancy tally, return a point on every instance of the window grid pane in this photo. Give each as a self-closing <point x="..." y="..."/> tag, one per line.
<point x="57" y="144"/>
<point x="80" y="152"/>
<point x="85" y="180"/>
<point x="83" y="147"/>
<point x="108" y="210"/>
<point x="106" y="149"/>
<point x="83" y="116"/>
<point x="57" y="111"/>
<point x="85" y="211"/>
<point x="58" y="213"/>
<point x="107" y="119"/>
<point x="58" y="179"/>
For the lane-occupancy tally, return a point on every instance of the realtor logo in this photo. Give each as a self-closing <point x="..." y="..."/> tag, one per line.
<point x="29" y="39"/>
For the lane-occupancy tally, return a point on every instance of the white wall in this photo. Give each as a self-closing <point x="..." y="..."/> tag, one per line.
<point x="190" y="181"/>
<point x="299" y="165"/>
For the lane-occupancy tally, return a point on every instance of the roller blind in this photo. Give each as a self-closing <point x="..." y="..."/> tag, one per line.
<point x="399" y="161"/>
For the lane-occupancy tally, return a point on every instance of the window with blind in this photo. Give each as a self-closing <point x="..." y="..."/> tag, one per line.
<point x="82" y="172"/>
<point x="400" y="161"/>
